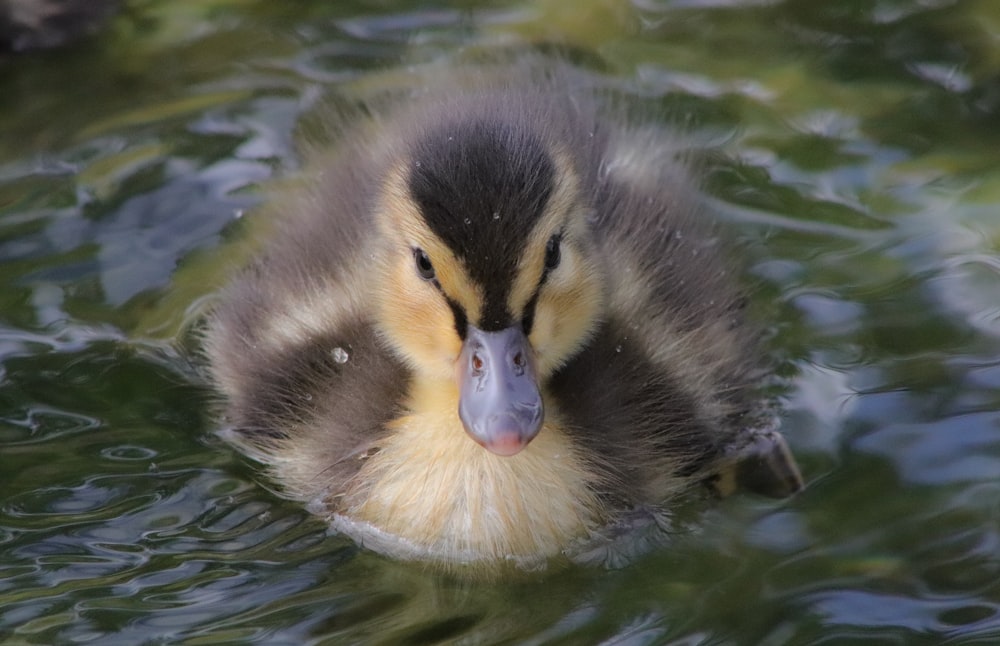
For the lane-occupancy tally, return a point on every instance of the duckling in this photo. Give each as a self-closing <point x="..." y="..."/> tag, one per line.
<point x="493" y="322"/>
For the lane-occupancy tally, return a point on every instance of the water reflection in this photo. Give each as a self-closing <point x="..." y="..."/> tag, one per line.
<point x="851" y="146"/>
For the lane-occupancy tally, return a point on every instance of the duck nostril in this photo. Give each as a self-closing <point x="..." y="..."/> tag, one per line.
<point x="519" y="360"/>
<point x="477" y="362"/>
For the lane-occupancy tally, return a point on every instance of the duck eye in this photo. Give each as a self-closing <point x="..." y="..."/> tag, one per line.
<point x="424" y="267"/>
<point x="552" y="255"/>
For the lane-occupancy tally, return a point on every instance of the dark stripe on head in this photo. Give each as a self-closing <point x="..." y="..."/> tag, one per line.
<point x="461" y="320"/>
<point x="481" y="187"/>
<point x="528" y="320"/>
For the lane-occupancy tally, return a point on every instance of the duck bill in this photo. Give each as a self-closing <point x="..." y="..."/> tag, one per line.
<point x="499" y="401"/>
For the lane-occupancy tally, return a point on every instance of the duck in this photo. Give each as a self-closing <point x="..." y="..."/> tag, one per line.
<point x="492" y="320"/>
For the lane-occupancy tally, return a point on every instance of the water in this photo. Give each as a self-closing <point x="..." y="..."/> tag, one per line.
<point x="851" y="146"/>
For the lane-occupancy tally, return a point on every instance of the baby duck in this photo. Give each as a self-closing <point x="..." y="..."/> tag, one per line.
<point x="492" y="324"/>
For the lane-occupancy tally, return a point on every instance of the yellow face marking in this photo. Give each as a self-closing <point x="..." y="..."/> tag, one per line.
<point x="569" y="303"/>
<point x="416" y="316"/>
<point x="414" y="312"/>
<point x="565" y="317"/>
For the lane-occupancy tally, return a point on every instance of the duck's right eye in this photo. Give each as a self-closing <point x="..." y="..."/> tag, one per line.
<point x="424" y="267"/>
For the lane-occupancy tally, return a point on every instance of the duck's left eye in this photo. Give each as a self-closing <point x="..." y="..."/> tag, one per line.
<point x="552" y="253"/>
<point x="424" y="267"/>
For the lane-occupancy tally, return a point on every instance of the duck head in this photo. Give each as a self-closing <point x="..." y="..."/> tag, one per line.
<point x="489" y="276"/>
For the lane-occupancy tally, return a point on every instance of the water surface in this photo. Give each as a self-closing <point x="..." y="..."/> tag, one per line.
<point x="852" y="147"/>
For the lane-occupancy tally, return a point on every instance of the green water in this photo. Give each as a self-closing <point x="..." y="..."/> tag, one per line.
<point x="852" y="146"/>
